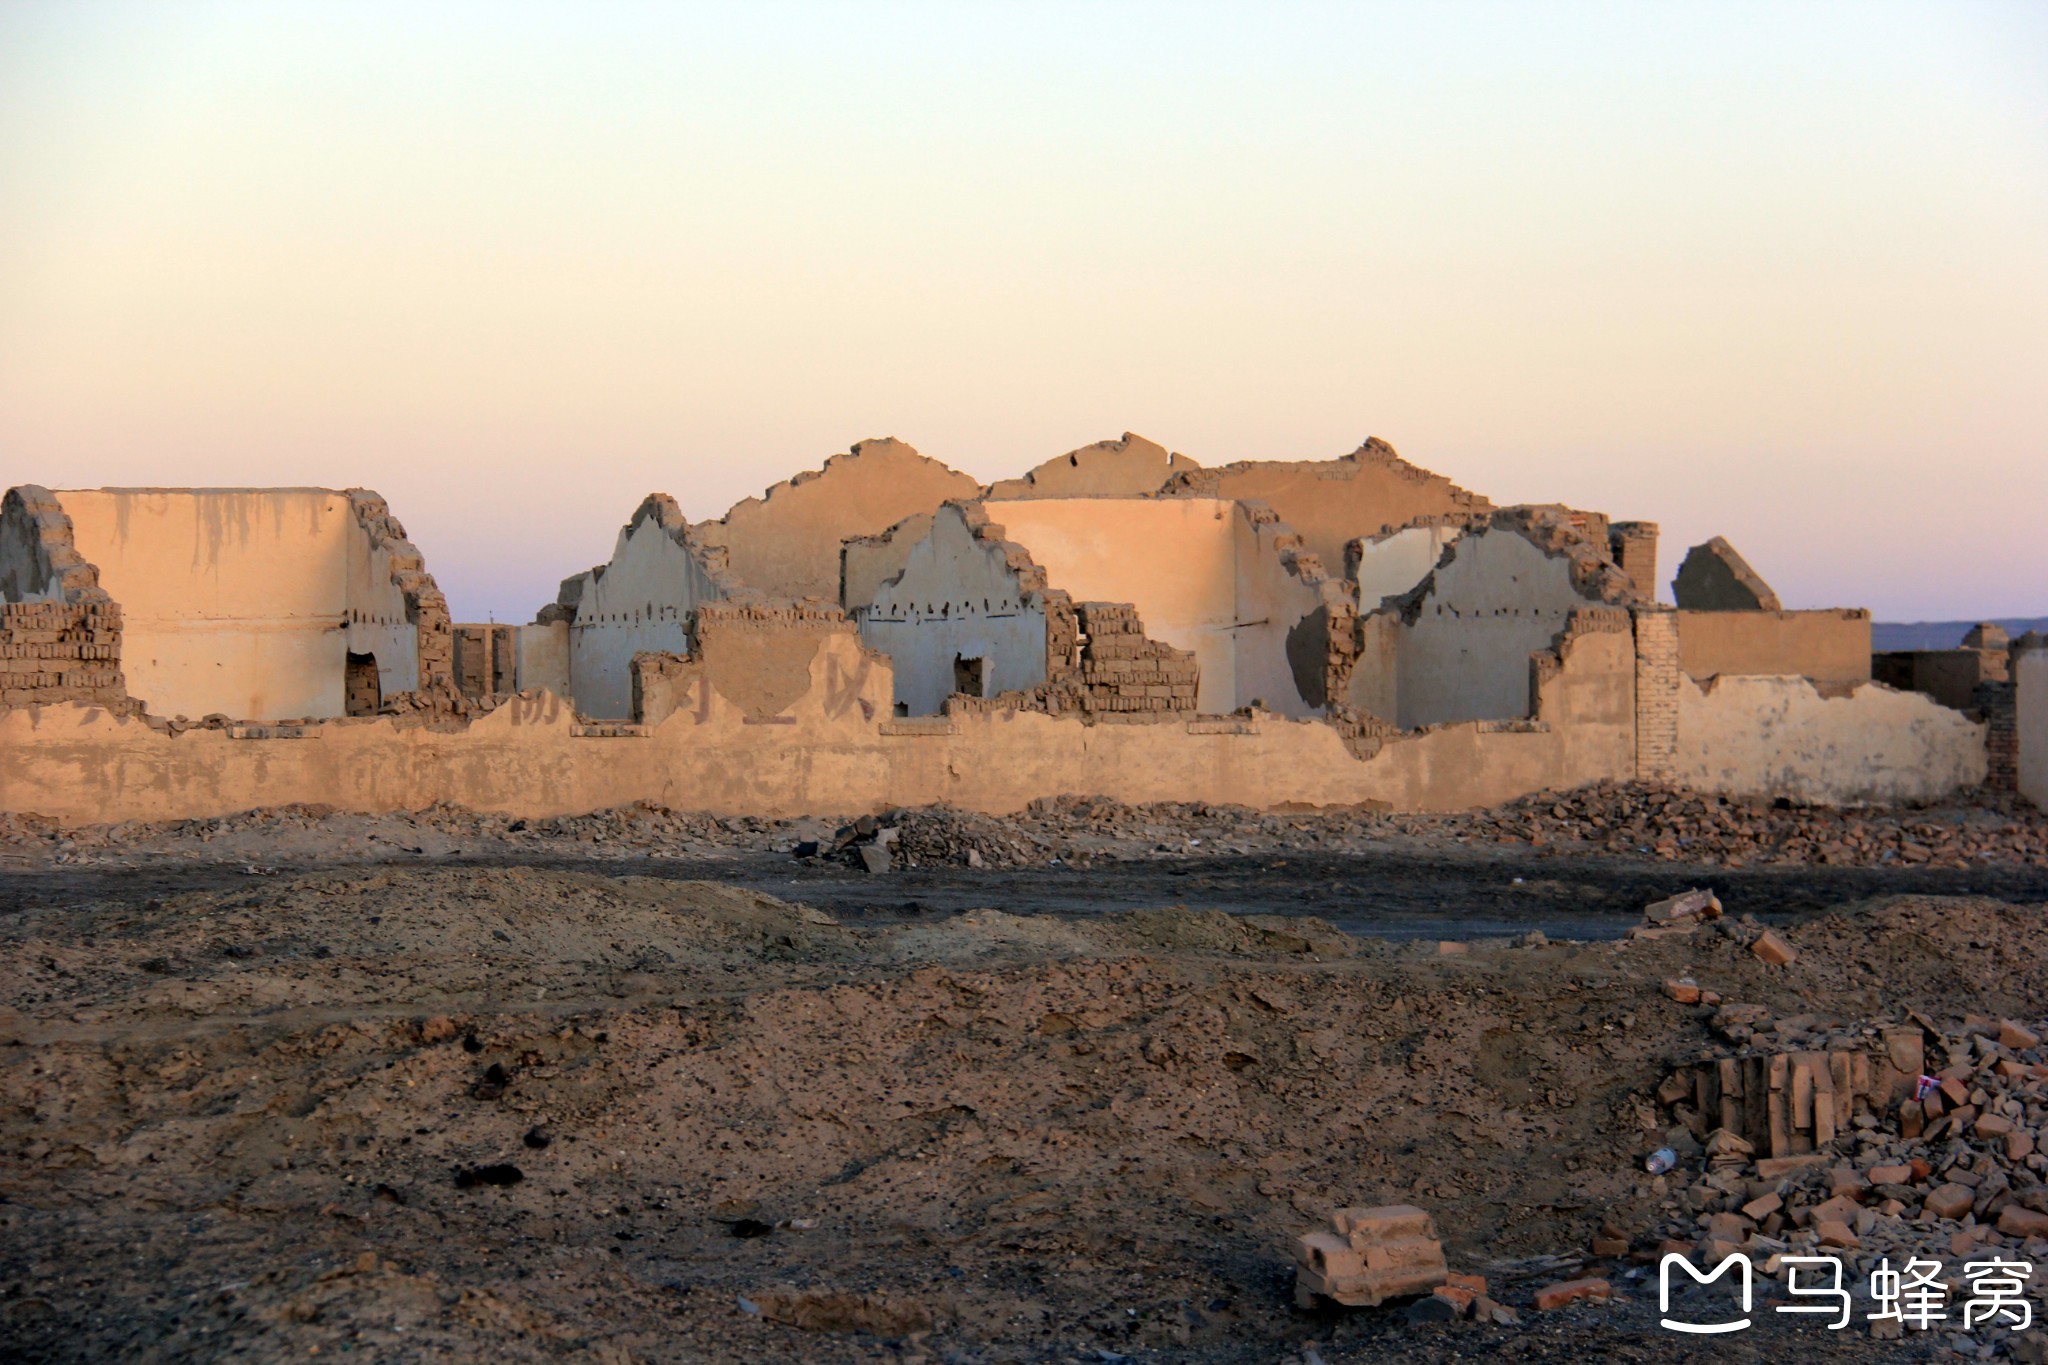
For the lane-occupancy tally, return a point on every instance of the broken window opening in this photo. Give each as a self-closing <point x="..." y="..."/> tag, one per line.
<point x="970" y="676"/>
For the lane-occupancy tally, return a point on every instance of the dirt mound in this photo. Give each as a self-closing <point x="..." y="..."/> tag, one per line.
<point x="1042" y="1138"/>
<point x="1179" y="929"/>
<point x="931" y="835"/>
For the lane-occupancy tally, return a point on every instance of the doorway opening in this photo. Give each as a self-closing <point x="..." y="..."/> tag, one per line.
<point x="362" y="693"/>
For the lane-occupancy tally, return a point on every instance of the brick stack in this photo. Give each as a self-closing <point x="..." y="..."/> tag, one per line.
<point x="1782" y="1103"/>
<point x="1998" y="702"/>
<point x="1121" y="673"/>
<point x="1369" y="1255"/>
<point x="59" y="652"/>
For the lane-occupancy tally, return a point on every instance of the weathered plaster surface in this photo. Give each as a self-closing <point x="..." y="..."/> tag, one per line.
<point x="239" y="601"/>
<point x="1496" y="600"/>
<point x="1831" y="646"/>
<point x="1174" y="559"/>
<point x="1331" y="502"/>
<point x="640" y="602"/>
<point x="1782" y="737"/>
<point x="833" y="750"/>
<point x="867" y="562"/>
<point x="786" y="543"/>
<point x="956" y="597"/>
<point x="541" y="658"/>
<point x="1391" y="565"/>
<point x="2030" y="676"/>
<point x="1126" y="468"/>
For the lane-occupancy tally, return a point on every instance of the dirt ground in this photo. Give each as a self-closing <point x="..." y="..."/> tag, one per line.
<point x="430" y="1087"/>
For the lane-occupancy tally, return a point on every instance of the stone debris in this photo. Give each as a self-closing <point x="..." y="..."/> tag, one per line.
<point x="1688" y="907"/>
<point x="1078" y="830"/>
<point x="1370" y="1255"/>
<point x="1683" y="826"/>
<point x="1869" y="1155"/>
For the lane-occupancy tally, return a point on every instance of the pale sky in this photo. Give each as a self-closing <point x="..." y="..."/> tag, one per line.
<point x="1777" y="272"/>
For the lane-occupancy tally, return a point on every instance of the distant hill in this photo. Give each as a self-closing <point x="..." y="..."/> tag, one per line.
<point x="1886" y="636"/>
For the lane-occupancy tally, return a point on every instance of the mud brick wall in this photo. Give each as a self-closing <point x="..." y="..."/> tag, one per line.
<point x="1118" y="671"/>
<point x="1998" y="703"/>
<point x="1634" y="547"/>
<point x="61" y="652"/>
<point x="484" y="664"/>
<point x="425" y="607"/>
<point x="1656" y="694"/>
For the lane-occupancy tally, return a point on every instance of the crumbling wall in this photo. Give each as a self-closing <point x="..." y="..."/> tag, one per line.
<point x="786" y="543"/>
<point x="643" y="601"/>
<point x="1950" y="676"/>
<point x="60" y="633"/>
<point x="1392" y="563"/>
<point x="1105" y="667"/>
<point x="1761" y="736"/>
<point x="834" y="749"/>
<point x="1296" y="624"/>
<point x="396" y="613"/>
<point x="2030" y="710"/>
<point x="1332" y="502"/>
<point x="965" y="613"/>
<point x="1715" y="578"/>
<point x="1458" y="647"/>
<point x="1173" y="560"/>
<point x="1832" y="647"/>
<point x="247" y="602"/>
<point x="486" y="660"/>
<point x="867" y="562"/>
<point x="1127" y="468"/>
<point x="1633" y="547"/>
<point x="754" y="655"/>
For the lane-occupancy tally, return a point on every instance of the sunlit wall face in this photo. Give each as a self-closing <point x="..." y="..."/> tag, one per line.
<point x="1776" y="272"/>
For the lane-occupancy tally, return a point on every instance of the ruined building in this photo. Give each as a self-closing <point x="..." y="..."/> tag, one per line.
<point x="885" y="630"/>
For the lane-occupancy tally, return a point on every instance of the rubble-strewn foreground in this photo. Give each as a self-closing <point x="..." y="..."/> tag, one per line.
<point x="511" y="1113"/>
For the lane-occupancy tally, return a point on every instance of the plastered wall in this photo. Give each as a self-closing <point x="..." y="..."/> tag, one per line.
<point x="641" y="602"/>
<point x="1174" y="559"/>
<point x="834" y="749"/>
<point x="1782" y="737"/>
<point x="2030" y="676"/>
<point x="955" y="597"/>
<point x="1493" y="603"/>
<point x="1331" y="502"/>
<point x="786" y="543"/>
<point x="1831" y="646"/>
<point x="243" y="602"/>
<point x="1391" y="565"/>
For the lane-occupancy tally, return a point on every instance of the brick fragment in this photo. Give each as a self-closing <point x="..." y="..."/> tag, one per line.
<point x="1554" y="1296"/>
<point x="2016" y="1220"/>
<point x="1773" y="950"/>
<point x="1949" y="1201"/>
